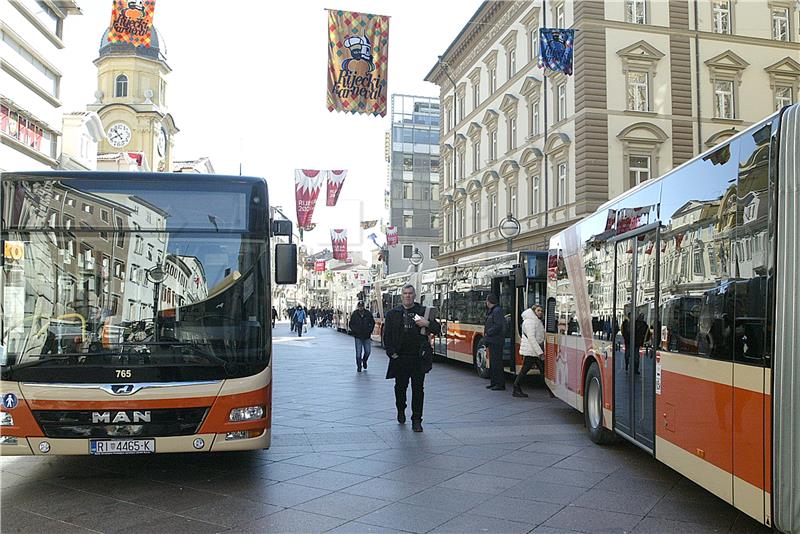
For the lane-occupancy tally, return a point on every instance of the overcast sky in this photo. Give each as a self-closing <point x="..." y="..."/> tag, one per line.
<point x="248" y="85"/>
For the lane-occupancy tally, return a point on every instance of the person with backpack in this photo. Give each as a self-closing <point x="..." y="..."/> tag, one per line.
<point x="494" y="338"/>
<point x="298" y="320"/>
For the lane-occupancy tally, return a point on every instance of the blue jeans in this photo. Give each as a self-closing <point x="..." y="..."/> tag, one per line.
<point x="363" y="346"/>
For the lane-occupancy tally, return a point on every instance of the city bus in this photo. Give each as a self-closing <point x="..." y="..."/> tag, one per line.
<point x="671" y="319"/>
<point x="136" y="313"/>
<point x="459" y="291"/>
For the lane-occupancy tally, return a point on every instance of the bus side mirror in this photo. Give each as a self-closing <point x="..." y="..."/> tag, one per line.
<point x="281" y="228"/>
<point x="285" y="263"/>
<point x="518" y="275"/>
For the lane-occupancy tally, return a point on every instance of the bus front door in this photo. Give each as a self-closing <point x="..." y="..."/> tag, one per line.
<point x="635" y="338"/>
<point x="507" y="291"/>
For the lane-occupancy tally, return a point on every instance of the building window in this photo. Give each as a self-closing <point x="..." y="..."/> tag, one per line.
<point x="462" y="164"/>
<point x="639" y="169"/>
<point x="512" y="63"/>
<point x="476" y="216"/>
<point x="448" y="171"/>
<point x="535" y="196"/>
<point x="492" y="210"/>
<point x="88" y="208"/>
<point x="722" y="16"/>
<point x="724" y="99"/>
<point x="476" y="94"/>
<point x="638" y="91"/>
<point x="434" y="220"/>
<point x="512" y="199"/>
<point x="492" y="80"/>
<point x="408" y="251"/>
<point x="460" y="221"/>
<point x="562" y="184"/>
<point x="460" y="108"/>
<point x="121" y="86"/>
<point x="561" y="20"/>
<point x="783" y="96"/>
<point x="562" y="101"/>
<point x="434" y="251"/>
<point x="408" y="219"/>
<point x="492" y="145"/>
<point x="533" y="119"/>
<point x="512" y="133"/>
<point x="780" y="23"/>
<point x="533" y="45"/>
<point x="636" y="11"/>
<point x="104" y="215"/>
<point x="476" y="156"/>
<point x="408" y="191"/>
<point x="447" y="119"/>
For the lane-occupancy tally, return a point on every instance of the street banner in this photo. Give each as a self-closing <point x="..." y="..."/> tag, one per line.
<point x="392" y="239"/>
<point x="319" y="266"/>
<point x="132" y="22"/>
<point x="555" y="49"/>
<point x="339" y="244"/>
<point x="335" y="183"/>
<point x="366" y="225"/>
<point x="307" y="184"/>
<point x="358" y="59"/>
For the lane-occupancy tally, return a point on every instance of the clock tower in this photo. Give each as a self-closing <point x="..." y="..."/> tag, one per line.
<point x="131" y="101"/>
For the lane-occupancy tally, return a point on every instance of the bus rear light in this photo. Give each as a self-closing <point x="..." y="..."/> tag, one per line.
<point x="243" y="434"/>
<point x="8" y="440"/>
<point x="248" y="413"/>
<point x="6" y="419"/>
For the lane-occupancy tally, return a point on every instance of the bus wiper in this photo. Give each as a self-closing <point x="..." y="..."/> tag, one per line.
<point x="57" y="357"/>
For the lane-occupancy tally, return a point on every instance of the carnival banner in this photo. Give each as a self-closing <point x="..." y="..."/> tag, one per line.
<point x="555" y="49"/>
<point x="307" y="184"/>
<point x="319" y="266"/>
<point x="358" y="58"/>
<point x="392" y="239"/>
<point x="335" y="183"/>
<point x="366" y="225"/>
<point x="339" y="244"/>
<point x="132" y="22"/>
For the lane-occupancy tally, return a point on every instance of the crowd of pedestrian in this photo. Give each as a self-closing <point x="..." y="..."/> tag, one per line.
<point x="301" y="318"/>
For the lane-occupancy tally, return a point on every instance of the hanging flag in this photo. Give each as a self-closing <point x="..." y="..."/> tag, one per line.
<point x="307" y="184"/>
<point x="132" y="22"/>
<point x="391" y="236"/>
<point x="555" y="49"/>
<point x="335" y="182"/>
<point x="319" y="266"/>
<point x="339" y="244"/>
<point x="358" y="58"/>
<point x="366" y="225"/>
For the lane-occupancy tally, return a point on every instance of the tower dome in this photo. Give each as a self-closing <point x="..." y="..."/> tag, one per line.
<point x="157" y="49"/>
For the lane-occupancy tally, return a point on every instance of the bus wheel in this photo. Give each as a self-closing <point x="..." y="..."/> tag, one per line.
<point x="481" y="359"/>
<point x="593" y="407"/>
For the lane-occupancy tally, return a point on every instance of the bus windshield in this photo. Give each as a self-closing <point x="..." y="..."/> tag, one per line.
<point x="96" y="281"/>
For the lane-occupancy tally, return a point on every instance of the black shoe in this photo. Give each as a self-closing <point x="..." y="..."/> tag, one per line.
<point x="518" y="392"/>
<point x="359" y="369"/>
<point x="365" y="364"/>
<point x="401" y="417"/>
<point x="416" y="426"/>
<point x="498" y="388"/>
<point x="490" y="386"/>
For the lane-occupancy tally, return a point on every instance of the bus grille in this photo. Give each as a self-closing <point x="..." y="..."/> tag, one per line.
<point x="119" y="423"/>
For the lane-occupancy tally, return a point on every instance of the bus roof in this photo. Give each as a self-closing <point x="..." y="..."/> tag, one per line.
<point x="172" y="177"/>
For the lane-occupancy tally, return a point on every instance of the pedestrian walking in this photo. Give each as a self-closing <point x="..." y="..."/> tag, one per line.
<point x="494" y="338"/>
<point x="531" y="346"/>
<point x="405" y="337"/>
<point x="274" y="316"/>
<point x="361" y="325"/>
<point x="298" y="320"/>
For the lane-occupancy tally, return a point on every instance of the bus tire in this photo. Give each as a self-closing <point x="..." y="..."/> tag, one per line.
<point x="593" y="407"/>
<point x="480" y="359"/>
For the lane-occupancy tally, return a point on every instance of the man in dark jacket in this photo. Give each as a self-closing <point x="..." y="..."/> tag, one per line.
<point x="361" y="325"/>
<point x="405" y="336"/>
<point x="494" y="338"/>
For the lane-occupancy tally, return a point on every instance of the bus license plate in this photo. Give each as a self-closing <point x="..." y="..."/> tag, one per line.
<point x="122" y="446"/>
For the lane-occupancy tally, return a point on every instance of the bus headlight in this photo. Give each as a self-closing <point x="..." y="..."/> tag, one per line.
<point x="246" y="414"/>
<point x="6" y="419"/>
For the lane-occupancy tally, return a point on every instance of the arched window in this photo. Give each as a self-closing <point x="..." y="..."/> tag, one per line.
<point x="121" y="86"/>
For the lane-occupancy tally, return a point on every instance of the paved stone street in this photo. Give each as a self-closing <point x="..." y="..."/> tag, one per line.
<point x="339" y="462"/>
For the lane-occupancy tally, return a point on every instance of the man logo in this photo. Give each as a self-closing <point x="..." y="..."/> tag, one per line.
<point x="122" y="389"/>
<point x="121" y="417"/>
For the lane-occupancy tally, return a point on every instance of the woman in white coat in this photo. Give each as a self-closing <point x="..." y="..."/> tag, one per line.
<point x="531" y="346"/>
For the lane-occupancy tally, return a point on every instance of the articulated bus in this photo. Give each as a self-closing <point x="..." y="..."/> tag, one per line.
<point x="136" y="313"/>
<point x="458" y="292"/>
<point x="672" y="319"/>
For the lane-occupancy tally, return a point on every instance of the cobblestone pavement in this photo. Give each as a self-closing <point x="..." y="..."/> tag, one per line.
<point x="339" y="462"/>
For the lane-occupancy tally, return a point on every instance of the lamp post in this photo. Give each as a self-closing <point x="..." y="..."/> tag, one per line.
<point x="416" y="259"/>
<point x="509" y="229"/>
<point x="452" y="229"/>
<point x="156" y="275"/>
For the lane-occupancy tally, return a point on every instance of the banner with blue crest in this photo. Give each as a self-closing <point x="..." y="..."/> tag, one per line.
<point x="555" y="49"/>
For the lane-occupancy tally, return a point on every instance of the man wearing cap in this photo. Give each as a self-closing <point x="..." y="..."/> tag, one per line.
<point x="494" y="338"/>
<point x="361" y="326"/>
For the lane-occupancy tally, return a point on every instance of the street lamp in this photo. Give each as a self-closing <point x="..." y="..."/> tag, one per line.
<point x="509" y="229"/>
<point x="416" y="259"/>
<point x="156" y="276"/>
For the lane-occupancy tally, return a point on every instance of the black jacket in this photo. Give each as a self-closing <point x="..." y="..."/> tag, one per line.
<point x="495" y="326"/>
<point x="393" y="336"/>
<point x="362" y="324"/>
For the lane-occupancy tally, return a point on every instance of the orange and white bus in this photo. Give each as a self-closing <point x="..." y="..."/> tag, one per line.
<point x="136" y="313"/>
<point x="458" y="292"/>
<point x="672" y="319"/>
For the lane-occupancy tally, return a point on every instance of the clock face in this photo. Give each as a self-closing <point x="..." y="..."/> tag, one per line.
<point x="162" y="142"/>
<point x="119" y="135"/>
